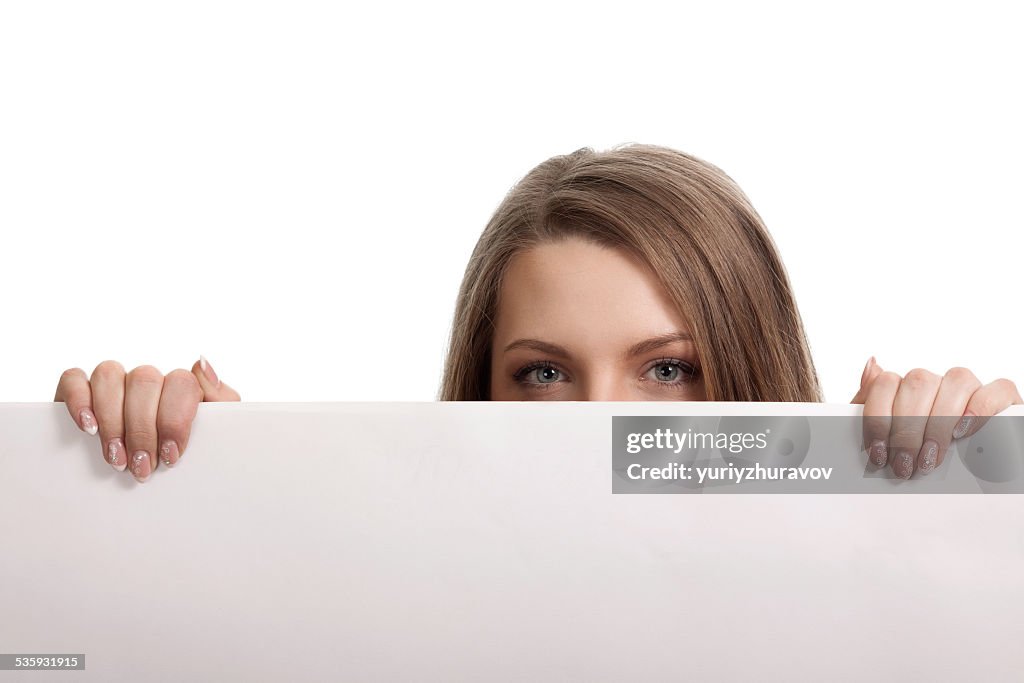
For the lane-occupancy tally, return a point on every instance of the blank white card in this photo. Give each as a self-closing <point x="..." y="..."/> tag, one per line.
<point x="480" y="541"/>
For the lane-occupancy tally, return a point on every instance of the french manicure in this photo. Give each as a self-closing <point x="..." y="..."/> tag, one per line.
<point x="169" y="453"/>
<point x="963" y="426"/>
<point x="879" y="452"/>
<point x="116" y="455"/>
<point x="141" y="466"/>
<point x="208" y="371"/>
<point x="88" y="422"/>
<point x="929" y="456"/>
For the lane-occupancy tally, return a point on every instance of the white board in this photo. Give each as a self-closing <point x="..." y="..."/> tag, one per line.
<point x="480" y="541"/>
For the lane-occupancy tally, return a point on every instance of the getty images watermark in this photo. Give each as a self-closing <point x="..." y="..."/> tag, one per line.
<point x="815" y="454"/>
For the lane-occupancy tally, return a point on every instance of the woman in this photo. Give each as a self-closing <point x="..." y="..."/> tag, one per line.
<point x="641" y="273"/>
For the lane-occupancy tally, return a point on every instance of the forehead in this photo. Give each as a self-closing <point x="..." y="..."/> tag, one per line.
<point x="574" y="288"/>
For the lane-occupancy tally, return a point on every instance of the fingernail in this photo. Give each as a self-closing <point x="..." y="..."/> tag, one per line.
<point x="963" y="426"/>
<point x="929" y="456"/>
<point x="208" y="371"/>
<point x="903" y="465"/>
<point x="169" y="453"/>
<point x="867" y="367"/>
<point x="116" y="455"/>
<point x="88" y="422"/>
<point x="879" y="452"/>
<point x="141" y="466"/>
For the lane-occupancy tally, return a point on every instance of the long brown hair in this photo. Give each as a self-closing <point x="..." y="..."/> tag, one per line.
<point x="696" y="230"/>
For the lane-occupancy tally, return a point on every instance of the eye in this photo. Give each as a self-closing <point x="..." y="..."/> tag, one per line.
<point x="538" y="373"/>
<point x="546" y="375"/>
<point x="672" y="371"/>
<point x="667" y="372"/>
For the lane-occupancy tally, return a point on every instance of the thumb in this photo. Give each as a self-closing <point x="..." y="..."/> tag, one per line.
<point x="213" y="388"/>
<point x="871" y="371"/>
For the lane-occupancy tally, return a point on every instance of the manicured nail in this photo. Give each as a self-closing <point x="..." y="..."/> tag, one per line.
<point x="169" y="453"/>
<point x="88" y="422"/>
<point x="963" y="426"/>
<point x="929" y="456"/>
<point x="208" y="371"/>
<point x="903" y="465"/>
<point x="867" y="367"/>
<point x="116" y="454"/>
<point x="141" y="466"/>
<point x="879" y="452"/>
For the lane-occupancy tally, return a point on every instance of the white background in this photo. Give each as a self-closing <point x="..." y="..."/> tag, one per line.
<point x="293" y="189"/>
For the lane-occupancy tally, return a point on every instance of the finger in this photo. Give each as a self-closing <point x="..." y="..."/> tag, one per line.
<point x="179" y="402"/>
<point x="871" y="371"/>
<point x="911" y="408"/>
<point x="74" y="391"/>
<point x="213" y="388"/>
<point x="878" y="416"/>
<point x="108" y="402"/>
<point x="141" y="402"/>
<point x="989" y="400"/>
<point x="955" y="390"/>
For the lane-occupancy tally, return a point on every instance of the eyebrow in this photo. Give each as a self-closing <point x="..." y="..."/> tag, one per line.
<point x="644" y="346"/>
<point x="653" y="343"/>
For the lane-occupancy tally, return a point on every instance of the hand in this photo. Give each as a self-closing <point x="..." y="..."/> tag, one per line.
<point x="910" y="421"/>
<point x="141" y="413"/>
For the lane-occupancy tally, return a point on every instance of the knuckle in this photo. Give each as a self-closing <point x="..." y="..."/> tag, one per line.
<point x="72" y="373"/>
<point x="109" y="369"/>
<point x="1005" y="385"/>
<point x="1003" y="393"/>
<point x="139" y="436"/>
<point x="174" y="425"/>
<point x="906" y="435"/>
<point x="919" y="378"/>
<point x="877" y="427"/>
<point x="961" y="376"/>
<point x="888" y="379"/>
<point x="988" y="405"/>
<point x="145" y="374"/>
<point x="185" y="379"/>
<point x="69" y="387"/>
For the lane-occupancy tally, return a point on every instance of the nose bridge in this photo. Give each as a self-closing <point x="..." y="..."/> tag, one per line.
<point x="603" y="384"/>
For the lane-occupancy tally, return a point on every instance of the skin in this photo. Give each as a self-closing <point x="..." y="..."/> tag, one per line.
<point x="575" y="322"/>
<point x="141" y="414"/>
<point x="618" y="336"/>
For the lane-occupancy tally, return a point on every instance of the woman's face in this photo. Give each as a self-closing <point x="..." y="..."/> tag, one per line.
<point x="581" y="322"/>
